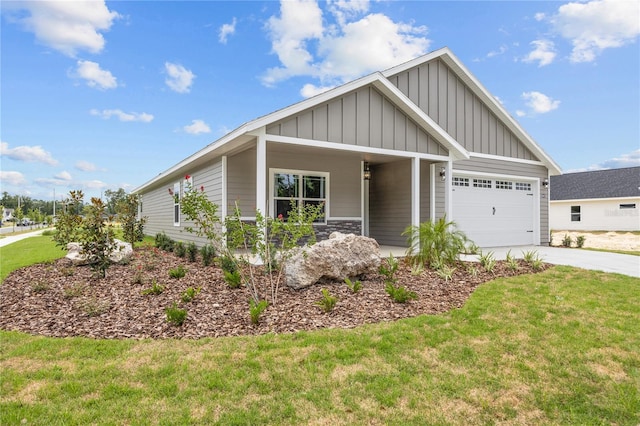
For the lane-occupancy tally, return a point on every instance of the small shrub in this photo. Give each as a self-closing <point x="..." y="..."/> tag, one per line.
<point x="137" y="276"/>
<point x="537" y="264"/>
<point x="155" y="289"/>
<point x="487" y="261"/>
<point x="74" y="290"/>
<point x="208" y="253"/>
<point x="354" y="286"/>
<point x="227" y="264"/>
<point x="473" y="270"/>
<point x="580" y="239"/>
<point x="190" y="294"/>
<point x="566" y="241"/>
<point x="48" y="232"/>
<point x="529" y="256"/>
<point x="438" y="241"/>
<point x="94" y="307"/>
<point x="177" y="272"/>
<point x="39" y="286"/>
<point x="67" y="271"/>
<point x="192" y="251"/>
<point x="417" y="269"/>
<point x="389" y="270"/>
<point x="472" y="248"/>
<point x="176" y="315"/>
<point x="179" y="249"/>
<point x="328" y="301"/>
<point x="233" y="279"/>
<point x="399" y="294"/>
<point x="446" y="272"/>
<point x="256" y="309"/>
<point x="164" y="242"/>
<point x="512" y="263"/>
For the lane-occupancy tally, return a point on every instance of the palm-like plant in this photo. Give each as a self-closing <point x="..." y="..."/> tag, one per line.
<point x="435" y="242"/>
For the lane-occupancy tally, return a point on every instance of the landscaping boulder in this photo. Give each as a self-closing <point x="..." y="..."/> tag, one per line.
<point x="122" y="253"/>
<point x="339" y="257"/>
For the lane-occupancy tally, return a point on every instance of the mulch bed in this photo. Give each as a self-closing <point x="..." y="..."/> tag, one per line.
<point x="58" y="299"/>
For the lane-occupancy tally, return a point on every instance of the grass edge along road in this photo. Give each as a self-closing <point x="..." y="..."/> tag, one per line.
<point x="560" y="347"/>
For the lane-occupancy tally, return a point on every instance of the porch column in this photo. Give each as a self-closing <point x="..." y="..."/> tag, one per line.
<point x="415" y="191"/>
<point x="261" y="173"/>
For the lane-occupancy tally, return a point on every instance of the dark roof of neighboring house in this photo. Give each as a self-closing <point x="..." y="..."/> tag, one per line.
<point x="612" y="183"/>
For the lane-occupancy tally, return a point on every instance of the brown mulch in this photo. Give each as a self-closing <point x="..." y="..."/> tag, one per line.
<point x="58" y="299"/>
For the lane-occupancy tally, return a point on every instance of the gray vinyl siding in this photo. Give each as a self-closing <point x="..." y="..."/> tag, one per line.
<point x="157" y="204"/>
<point x="517" y="169"/>
<point x="241" y="182"/>
<point x="440" y="198"/>
<point x="363" y="117"/>
<point x="436" y="89"/>
<point x="390" y="202"/>
<point x="425" y="191"/>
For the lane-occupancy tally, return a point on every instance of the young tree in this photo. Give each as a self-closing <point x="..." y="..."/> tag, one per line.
<point x="97" y="237"/>
<point x="132" y="226"/>
<point x="69" y="220"/>
<point x="113" y="199"/>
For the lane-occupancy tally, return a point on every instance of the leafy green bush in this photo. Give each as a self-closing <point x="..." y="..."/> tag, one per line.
<point x="399" y="294"/>
<point x="435" y="242"/>
<point x="155" y="289"/>
<point x="179" y="249"/>
<point x="164" y="242"/>
<point x="445" y="272"/>
<point x="132" y="226"/>
<point x="389" y="270"/>
<point x="97" y="237"/>
<point x="176" y="315"/>
<point x="328" y="301"/>
<point x="208" y="253"/>
<point x="566" y="241"/>
<point x="487" y="261"/>
<point x="512" y="262"/>
<point x="256" y="309"/>
<point x="192" y="251"/>
<point x="177" y="272"/>
<point x="189" y="294"/>
<point x="233" y="279"/>
<point x="580" y="239"/>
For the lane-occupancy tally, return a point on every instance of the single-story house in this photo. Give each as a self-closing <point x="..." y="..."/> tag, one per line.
<point x="600" y="200"/>
<point x="399" y="147"/>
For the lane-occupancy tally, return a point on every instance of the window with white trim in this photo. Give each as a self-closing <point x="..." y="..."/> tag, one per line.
<point x="460" y="181"/>
<point x="482" y="183"/>
<point x="575" y="213"/>
<point x="294" y="189"/>
<point x="628" y="206"/>
<point x="504" y="184"/>
<point x="176" y="204"/>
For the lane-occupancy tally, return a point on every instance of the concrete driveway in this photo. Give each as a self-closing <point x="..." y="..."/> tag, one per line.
<point x="625" y="264"/>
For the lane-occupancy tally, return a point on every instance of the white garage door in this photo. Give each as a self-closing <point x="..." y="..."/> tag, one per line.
<point x="494" y="212"/>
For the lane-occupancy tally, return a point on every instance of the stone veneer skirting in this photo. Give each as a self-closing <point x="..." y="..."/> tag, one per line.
<point x="345" y="226"/>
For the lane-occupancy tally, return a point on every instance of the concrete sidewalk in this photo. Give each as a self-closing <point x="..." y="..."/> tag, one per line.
<point x="13" y="238"/>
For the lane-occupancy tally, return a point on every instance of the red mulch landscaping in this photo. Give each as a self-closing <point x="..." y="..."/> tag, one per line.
<point x="58" y="299"/>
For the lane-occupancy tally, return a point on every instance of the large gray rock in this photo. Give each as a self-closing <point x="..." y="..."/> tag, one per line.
<point x="122" y="253"/>
<point x="341" y="256"/>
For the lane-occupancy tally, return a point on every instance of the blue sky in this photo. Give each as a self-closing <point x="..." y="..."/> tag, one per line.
<point x="101" y="95"/>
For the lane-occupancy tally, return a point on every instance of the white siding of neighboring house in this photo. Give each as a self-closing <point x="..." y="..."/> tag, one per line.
<point x="596" y="215"/>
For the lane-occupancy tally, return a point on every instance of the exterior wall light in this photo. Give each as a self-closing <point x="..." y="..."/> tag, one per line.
<point x="443" y="174"/>
<point x="366" y="174"/>
<point x="545" y="183"/>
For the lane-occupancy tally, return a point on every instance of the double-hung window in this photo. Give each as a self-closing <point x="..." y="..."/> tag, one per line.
<point x="176" y="204"/>
<point x="575" y="213"/>
<point x="296" y="189"/>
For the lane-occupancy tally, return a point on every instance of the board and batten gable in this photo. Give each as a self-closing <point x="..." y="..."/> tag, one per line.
<point x="157" y="203"/>
<point x="363" y="117"/>
<point x="441" y="94"/>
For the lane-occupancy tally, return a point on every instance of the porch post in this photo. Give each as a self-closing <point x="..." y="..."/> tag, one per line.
<point x="415" y="191"/>
<point x="261" y="173"/>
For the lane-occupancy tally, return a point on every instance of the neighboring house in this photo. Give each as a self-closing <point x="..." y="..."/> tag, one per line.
<point x="430" y="137"/>
<point x="7" y="214"/>
<point x="601" y="200"/>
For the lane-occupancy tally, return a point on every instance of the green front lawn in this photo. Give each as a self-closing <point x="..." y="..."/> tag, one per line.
<point x="26" y="252"/>
<point x="559" y="347"/>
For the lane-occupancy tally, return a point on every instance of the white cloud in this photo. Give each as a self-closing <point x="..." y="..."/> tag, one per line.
<point x="309" y="90"/>
<point x="543" y="52"/>
<point x="122" y="116"/>
<point x="30" y="154"/>
<point x="501" y="50"/>
<point x="92" y="184"/>
<point x="196" y="127"/>
<point x="631" y="159"/>
<point x="86" y="166"/>
<point x="597" y="25"/>
<point x="95" y="76"/>
<point x="12" y="178"/>
<point x="226" y="30"/>
<point x="63" y="175"/>
<point x="67" y="26"/>
<point x="180" y="79"/>
<point x="539" y="103"/>
<point x="338" y="52"/>
<point x="539" y="16"/>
